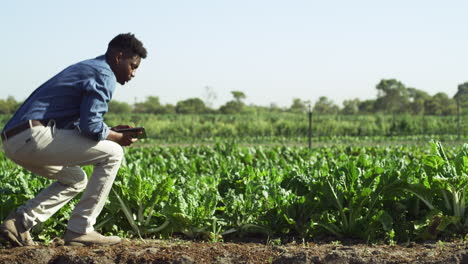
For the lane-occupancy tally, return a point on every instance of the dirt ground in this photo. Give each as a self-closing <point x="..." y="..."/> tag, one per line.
<point x="188" y="252"/>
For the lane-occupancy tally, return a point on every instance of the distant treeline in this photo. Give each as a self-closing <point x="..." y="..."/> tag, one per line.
<point x="393" y="97"/>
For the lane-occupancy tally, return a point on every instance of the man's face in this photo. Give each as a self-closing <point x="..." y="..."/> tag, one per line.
<point x="125" y="67"/>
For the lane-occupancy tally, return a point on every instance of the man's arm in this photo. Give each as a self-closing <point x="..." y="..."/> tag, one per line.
<point x="97" y="93"/>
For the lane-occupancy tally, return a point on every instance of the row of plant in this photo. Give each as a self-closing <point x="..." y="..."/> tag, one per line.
<point x="289" y="125"/>
<point x="180" y="128"/>
<point x="420" y="140"/>
<point x="393" y="194"/>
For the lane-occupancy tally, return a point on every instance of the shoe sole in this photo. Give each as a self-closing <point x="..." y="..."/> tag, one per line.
<point x="83" y="244"/>
<point x="75" y="244"/>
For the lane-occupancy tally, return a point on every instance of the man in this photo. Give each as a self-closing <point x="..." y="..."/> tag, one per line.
<point x="60" y="128"/>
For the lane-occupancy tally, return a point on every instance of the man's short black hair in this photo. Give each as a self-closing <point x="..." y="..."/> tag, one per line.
<point x="127" y="42"/>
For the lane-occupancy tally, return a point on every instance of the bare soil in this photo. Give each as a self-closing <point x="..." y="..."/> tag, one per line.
<point x="188" y="252"/>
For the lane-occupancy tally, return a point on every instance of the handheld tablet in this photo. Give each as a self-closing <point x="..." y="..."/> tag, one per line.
<point x="141" y="130"/>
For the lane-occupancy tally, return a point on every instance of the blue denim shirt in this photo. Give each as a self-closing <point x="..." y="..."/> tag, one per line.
<point x="76" y="97"/>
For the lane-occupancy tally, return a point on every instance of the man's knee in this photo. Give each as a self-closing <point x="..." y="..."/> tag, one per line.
<point x="115" y="151"/>
<point x="74" y="177"/>
<point x="81" y="185"/>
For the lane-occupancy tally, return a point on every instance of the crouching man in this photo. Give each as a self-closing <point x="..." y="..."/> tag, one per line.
<point x="60" y="128"/>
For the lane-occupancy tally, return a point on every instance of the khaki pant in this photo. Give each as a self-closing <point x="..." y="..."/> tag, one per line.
<point x="57" y="154"/>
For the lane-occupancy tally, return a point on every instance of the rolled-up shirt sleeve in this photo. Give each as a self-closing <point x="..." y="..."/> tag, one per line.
<point x="94" y="105"/>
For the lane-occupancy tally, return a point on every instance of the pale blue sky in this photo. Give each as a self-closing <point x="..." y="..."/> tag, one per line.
<point x="271" y="50"/>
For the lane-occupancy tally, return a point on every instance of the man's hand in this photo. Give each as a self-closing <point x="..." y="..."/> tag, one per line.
<point x="121" y="127"/>
<point x="123" y="139"/>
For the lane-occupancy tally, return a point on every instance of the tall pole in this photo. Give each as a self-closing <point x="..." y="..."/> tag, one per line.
<point x="458" y="118"/>
<point x="310" y="127"/>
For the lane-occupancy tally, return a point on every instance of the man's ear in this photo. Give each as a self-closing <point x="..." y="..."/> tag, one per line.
<point x="118" y="57"/>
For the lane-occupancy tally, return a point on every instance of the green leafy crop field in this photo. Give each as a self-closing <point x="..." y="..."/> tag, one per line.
<point x="373" y="193"/>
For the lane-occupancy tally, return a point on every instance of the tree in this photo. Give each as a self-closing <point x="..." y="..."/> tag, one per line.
<point x="150" y="106"/>
<point x="350" y="107"/>
<point x="231" y="107"/>
<point x="367" y="107"/>
<point x="440" y="104"/>
<point x="392" y="96"/>
<point x="417" y="99"/>
<point x="191" y="106"/>
<point x="168" y="109"/>
<point x="210" y="96"/>
<point x="117" y="107"/>
<point x="238" y="95"/>
<point x="274" y="108"/>
<point x="325" y="106"/>
<point x="234" y="106"/>
<point x="9" y="105"/>
<point x="298" y="106"/>
<point x="462" y="94"/>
